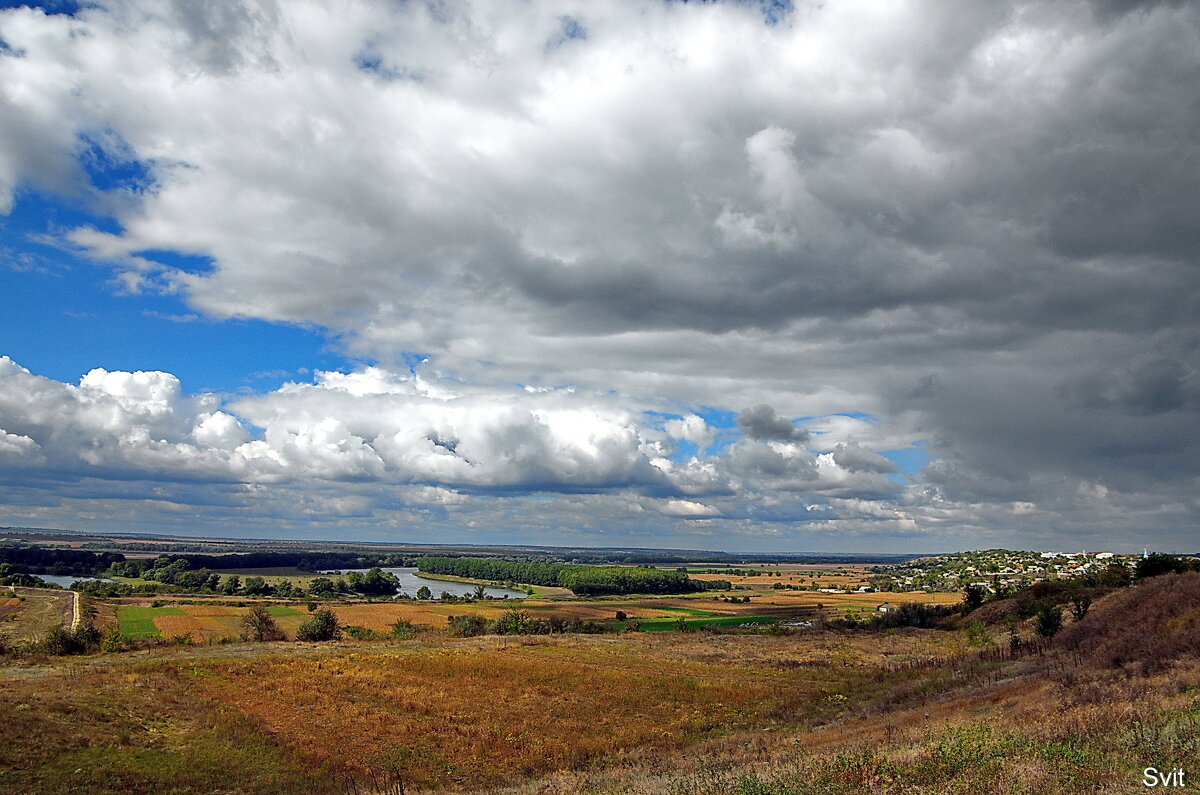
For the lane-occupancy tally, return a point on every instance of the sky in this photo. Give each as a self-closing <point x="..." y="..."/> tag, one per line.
<point x="864" y="276"/>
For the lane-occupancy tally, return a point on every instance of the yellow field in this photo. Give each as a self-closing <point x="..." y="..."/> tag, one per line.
<point x="472" y="715"/>
<point x="830" y="577"/>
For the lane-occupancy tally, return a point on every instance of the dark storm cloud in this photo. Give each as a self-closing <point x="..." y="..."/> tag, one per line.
<point x="761" y="423"/>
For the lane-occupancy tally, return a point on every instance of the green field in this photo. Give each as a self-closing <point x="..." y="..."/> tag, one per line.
<point x="138" y="622"/>
<point x="687" y="610"/>
<point x="672" y="624"/>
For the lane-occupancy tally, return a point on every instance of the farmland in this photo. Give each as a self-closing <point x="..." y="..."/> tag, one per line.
<point x="213" y="620"/>
<point x="651" y="713"/>
<point x="751" y="689"/>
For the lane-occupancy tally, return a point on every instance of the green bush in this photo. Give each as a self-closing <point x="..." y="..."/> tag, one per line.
<point x="59" y="641"/>
<point x="113" y="641"/>
<point x="320" y="626"/>
<point x="1049" y="620"/>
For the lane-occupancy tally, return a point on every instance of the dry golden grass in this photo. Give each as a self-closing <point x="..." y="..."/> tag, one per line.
<point x="829" y="576"/>
<point x="477" y="714"/>
<point x="381" y="616"/>
<point x="902" y="711"/>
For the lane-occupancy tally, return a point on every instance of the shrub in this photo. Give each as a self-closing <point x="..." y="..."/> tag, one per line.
<point x="977" y="634"/>
<point x="403" y="630"/>
<point x="469" y="626"/>
<point x="513" y="621"/>
<point x="320" y="626"/>
<point x="1048" y="621"/>
<point x="113" y="641"/>
<point x="1079" y="606"/>
<point x="358" y="633"/>
<point x="258" y="625"/>
<point x="59" y="641"/>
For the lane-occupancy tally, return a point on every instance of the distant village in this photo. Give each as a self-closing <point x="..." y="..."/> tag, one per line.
<point x="996" y="570"/>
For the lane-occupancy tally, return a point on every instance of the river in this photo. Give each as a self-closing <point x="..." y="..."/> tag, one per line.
<point x="410" y="581"/>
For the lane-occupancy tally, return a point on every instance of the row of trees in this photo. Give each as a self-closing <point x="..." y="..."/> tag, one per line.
<point x="175" y="576"/>
<point x="51" y="560"/>
<point x="582" y="580"/>
<point x="515" y="621"/>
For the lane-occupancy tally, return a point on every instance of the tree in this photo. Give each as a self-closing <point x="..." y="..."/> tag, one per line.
<point x="320" y="626"/>
<point x="321" y="586"/>
<point x="1048" y="621"/>
<point x="258" y="625"/>
<point x="257" y="586"/>
<point x="424" y="593"/>
<point x="1080" y="605"/>
<point x="375" y="582"/>
<point x="973" y="596"/>
<point x="1157" y="563"/>
<point x="231" y="584"/>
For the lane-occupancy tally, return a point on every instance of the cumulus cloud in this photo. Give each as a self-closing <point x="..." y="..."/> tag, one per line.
<point x="374" y="442"/>
<point x="687" y="509"/>
<point x="975" y="223"/>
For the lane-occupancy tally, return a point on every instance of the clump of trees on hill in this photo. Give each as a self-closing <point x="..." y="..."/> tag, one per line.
<point x="581" y="580"/>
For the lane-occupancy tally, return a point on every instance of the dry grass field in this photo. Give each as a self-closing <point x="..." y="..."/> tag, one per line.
<point x="821" y="575"/>
<point x="34" y="613"/>
<point x="697" y="713"/>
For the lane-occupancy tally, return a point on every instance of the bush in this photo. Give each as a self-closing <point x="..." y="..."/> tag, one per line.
<point x="403" y="630"/>
<point x="1049" y="620"/>
<point x="258" y="625"/>
<point x="320" y="626"/>
<point x="358" y="633"/>
<point x="113" y="641"/>
<point x="469" y="626"/>
<point x="81" y="640"/>
<point x="1080" y="605"/>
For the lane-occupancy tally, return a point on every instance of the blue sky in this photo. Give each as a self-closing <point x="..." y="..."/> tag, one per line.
<point x="64" y="315"/>
<point x="762" y="277"/>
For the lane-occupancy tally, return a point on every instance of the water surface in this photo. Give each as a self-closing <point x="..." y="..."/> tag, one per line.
<point x="410" y="581"/>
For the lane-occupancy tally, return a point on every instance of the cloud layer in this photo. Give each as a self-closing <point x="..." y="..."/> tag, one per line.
<point x="974" y="224"/>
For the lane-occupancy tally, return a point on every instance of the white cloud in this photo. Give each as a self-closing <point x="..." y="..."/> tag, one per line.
<point x="687" y="508"/>
<point x="852" y="210"/>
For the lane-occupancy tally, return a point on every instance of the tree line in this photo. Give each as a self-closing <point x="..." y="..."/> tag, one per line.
<point x="580" y="579"/>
